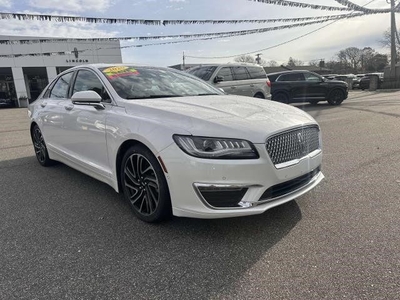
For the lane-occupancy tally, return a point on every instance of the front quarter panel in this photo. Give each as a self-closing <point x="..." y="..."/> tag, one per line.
<point x="122" y="127"/>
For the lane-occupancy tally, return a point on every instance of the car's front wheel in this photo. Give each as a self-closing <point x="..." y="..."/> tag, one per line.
<point x="40" y="147"/>
<point x="336" y="97"/>
<point x="144" y="185"/>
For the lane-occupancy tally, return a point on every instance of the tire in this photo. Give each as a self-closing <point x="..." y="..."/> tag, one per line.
<point x="313" y="102"/>
<point x="144" y="185"/>
<point x="336" y="97"/>
<point x="40" y="148"/>
<point x="281" y="97"/>
<point x="259" y="95"/>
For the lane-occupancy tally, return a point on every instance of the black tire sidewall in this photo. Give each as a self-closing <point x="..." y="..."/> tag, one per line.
<point x="333" y="101"/>
<point x="163" y="210"/>
<point x="282" y="97"/>
<point x="47" y="161"/>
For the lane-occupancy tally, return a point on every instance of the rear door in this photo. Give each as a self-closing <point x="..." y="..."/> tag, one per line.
<point x="242" y="84"/>
<point x="293" y="83"/>
<point x="315" y="86"/>
<point x="258" y="81"/>
<point x="52" y="115"/>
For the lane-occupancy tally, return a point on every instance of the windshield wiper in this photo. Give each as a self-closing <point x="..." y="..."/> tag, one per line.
<point x="154" y="96"/>
<point x="207" y="94"/>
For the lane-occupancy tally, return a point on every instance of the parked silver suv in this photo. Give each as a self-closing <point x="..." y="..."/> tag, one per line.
<point x="238" y="79"/>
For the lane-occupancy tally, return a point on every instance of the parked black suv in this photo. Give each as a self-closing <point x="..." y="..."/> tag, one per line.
<point x="305" y="86"/>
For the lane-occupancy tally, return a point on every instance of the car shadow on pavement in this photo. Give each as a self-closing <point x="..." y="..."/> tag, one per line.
<point x="68" y="235"/>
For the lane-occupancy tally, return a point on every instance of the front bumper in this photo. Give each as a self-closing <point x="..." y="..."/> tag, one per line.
<point x="257" y="176"/>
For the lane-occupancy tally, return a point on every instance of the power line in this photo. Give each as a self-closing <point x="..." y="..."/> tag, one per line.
<point x="270" y="47"/>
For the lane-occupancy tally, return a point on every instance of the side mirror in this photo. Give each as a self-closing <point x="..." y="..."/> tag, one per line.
<point x="218" y="79"/>
<point x="87" y="98"/>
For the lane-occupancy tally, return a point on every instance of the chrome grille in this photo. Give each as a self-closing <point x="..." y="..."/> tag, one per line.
<point x="293" y="144"/>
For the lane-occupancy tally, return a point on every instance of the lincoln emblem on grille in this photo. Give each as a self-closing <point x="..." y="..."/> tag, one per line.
<point x="302" y="143"/>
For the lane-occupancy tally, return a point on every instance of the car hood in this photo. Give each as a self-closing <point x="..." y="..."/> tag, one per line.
<point x="336" y="82"/>
<point x="221" y="116"/>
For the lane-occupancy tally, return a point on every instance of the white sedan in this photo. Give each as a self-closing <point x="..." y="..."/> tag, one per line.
<point x="174" y="144"/>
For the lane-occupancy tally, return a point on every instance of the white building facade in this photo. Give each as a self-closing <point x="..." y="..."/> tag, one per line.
<point x="26" y="76"/>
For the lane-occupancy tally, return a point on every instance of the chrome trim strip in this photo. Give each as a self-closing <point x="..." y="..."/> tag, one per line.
<point x="296" y="161"/>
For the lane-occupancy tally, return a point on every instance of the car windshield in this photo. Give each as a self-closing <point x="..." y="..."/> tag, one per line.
<point x="145" y="82"/>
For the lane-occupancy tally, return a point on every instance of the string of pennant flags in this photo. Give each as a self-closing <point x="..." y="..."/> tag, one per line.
<point x="359" y="8"/>
<point x="66" y="18"/>
<point x="184" y="36"/>
<point x="349" y="6"/>
<point x="63" y="19"/>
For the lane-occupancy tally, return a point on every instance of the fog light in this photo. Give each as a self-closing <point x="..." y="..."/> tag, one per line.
<point x="222" y="196"/>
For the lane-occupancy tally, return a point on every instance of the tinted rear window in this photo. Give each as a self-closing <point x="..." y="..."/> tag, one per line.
<point x="240" y="73"/>
<point x="203" y="72"/>
<point x="292" y="77"/>
<point x="256" y="73"/>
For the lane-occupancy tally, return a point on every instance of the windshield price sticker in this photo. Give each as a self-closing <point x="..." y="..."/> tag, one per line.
<point x="115" y="72"/>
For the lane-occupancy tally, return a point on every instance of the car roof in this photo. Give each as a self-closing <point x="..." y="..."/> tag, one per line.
<point x="288" y="72"/>
<point x="229" y="65"/>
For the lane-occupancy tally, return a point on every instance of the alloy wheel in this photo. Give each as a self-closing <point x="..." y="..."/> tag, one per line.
<point x="142" y="184"/>
<point x="39" y="145"/>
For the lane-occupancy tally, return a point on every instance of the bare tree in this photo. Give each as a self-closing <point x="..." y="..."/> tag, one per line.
<point x="351" y="58"/>
<point x="294" y="62"/>
<point x="245" y="59"/>
<point x="272" y="63"/>
<point x="314" y="62"/>
<point x="386" y="40"/>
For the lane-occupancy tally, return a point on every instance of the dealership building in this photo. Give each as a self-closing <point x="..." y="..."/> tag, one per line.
<point x="24" y="76"/>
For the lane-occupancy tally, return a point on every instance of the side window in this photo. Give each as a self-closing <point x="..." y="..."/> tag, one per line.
<point x="312" y="78"/>
<point x="88" y="81"/>
<point x="226" y="73"/>
<point x="292" y="77"/>
<point x="241" y="73"/>
<point x="60" y="89"/>
<point x="256" y="73"/>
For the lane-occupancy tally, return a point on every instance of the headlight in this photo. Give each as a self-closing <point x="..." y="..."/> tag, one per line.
<point x="216" y="148"/>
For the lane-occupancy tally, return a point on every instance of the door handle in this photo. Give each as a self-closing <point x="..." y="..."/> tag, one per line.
<point x="252" y="85"/>
<point x="69" y="107"/>
<point x="43" y="104"/>
<point x="233" y="87"/>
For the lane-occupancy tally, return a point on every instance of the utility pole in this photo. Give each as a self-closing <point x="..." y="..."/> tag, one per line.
<point x="258" y="58"/>
<point x="393" y="40"/>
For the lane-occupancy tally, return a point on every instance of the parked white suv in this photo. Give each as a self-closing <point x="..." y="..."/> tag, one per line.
<point x="237" y="79"/>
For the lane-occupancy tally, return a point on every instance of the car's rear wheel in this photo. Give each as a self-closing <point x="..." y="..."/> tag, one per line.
<point x="39" y="145"/>
<point x="336" y="97"/>
<point x="313" y="102"/>
<point x="281" y="97"/>
<point x="144" y="185"/>
<point x="259" y="95"/>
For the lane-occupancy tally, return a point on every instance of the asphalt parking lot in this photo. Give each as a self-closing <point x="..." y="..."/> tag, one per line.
<point x="64" y="235"/>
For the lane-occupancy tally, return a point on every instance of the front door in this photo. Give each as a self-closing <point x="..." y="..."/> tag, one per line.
<point x="86" y="125"/>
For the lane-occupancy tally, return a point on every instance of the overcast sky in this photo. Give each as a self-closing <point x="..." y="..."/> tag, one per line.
<point x="359" y="32"/>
